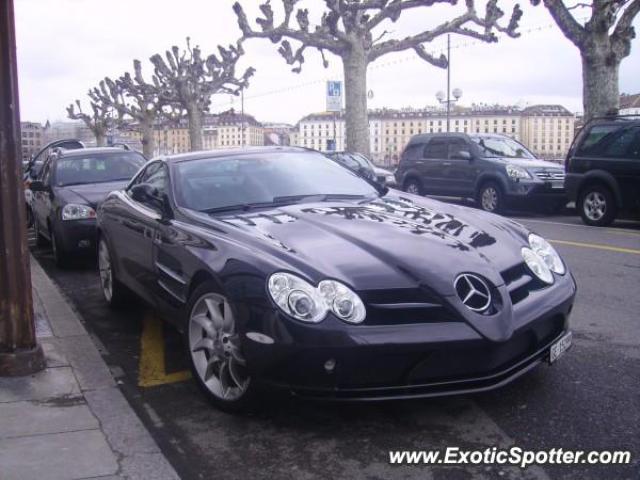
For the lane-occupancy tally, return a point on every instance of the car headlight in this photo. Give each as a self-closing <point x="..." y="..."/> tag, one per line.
<point x="77" y="212"/>
<point x="544" y="249"/>
<point x="517" y="172"/>
<point x="342" y="301"/>
<point x="390" y="179"/>
<point x="537" y="265"/>
<point x="301" y="300"/>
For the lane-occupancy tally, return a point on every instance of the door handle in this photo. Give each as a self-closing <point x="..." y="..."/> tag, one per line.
<point x="446" y="164"/>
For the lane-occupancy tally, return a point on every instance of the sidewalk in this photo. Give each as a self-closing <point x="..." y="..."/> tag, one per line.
<point x="71" y="421"/>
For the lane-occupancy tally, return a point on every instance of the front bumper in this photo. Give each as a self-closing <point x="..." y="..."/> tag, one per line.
<point x="528" y="191"/>
<point x="77" y="236"/>
<point x="406" y="361"/>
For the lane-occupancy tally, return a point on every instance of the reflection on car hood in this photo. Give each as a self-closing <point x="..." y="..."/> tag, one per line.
<point x="93" y="193"/>
<point x="393" y="242"/>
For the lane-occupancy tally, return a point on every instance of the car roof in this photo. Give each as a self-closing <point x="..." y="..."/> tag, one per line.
<point x="74" y="152"/>
<point x="232" y="152"/>
<point x="620" y="119"/>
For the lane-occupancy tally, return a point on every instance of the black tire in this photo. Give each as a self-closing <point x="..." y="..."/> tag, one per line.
<point x="414" y="186"/>
<point x="597" y="206"/>
<point x="41" y="241"/>
<point x="246" y="401"/>
<point x="60" y="255"/>
<point x="115" y="294"/>
<point x="490" y="198"/>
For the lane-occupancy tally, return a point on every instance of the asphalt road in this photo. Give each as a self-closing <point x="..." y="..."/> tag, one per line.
<point x="588" y="400"/>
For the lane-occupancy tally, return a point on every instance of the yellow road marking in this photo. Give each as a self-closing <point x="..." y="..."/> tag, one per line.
<point x="617" y="231"/>
<point x="151" y="371"/>
<point x="598" y="246"/>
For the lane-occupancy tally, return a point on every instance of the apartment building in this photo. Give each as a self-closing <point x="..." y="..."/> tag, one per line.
<point x="231" y="130"/>
<point x="548" y="130"/>
<point x="539" y="128"/>
<point x="32" y="139"/>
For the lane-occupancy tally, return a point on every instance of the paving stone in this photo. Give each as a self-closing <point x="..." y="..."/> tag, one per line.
<point x="20" y="419"/>
<point x="51" y="382"/>
<point x="87" y="363"/>
<point x="123" y="428"/>
<point x="57" y="456"/>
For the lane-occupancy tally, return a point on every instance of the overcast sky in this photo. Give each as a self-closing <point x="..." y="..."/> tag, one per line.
<point x="67" y="46"/>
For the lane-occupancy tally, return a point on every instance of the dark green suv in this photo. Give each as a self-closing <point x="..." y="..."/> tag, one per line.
<point x="495" y="170"/>
<point x="603" y="169"/>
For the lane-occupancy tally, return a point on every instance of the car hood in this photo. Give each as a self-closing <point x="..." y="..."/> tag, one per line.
<point x="530" y="163"/>
<point x="92" y="193"/>
<point x="399" y="241"/>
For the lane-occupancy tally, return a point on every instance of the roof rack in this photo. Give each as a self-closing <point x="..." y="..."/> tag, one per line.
<point x="122" y="145"/>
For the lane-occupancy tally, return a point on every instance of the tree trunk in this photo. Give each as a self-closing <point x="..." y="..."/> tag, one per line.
<point x="148" y="140"/>
<point x="195" y="128"/>
<point x="600" y="93"/>
<point x="101" y="138"/>
<point x="354" y="64"/>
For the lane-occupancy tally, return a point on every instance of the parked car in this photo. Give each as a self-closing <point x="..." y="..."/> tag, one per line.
<point x="31" y="169"/>
<point x="495" y="170"/>
<point x="361" y="164"/>
<point x="69" y="188"/>
<point x="321" y="284"/>
<point x="603" y="169"/>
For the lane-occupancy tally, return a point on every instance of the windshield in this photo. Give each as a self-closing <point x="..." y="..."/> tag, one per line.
<point x="499" y="147"/>
<point x="97" y="168"/>
<point x="241" y="181"/>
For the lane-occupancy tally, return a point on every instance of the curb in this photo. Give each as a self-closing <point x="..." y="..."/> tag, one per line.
<point x="137" y="454"/>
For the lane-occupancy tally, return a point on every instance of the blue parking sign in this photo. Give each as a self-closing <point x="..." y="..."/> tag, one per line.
<point x="334" y="96"/>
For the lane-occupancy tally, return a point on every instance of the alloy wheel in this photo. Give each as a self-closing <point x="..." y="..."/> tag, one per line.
<point x="595" y="206"/>
<point x="489" y="199"/>
<point x="106" y="273"/>
<point x="215" y="348"/>
<point x="413" y="188"/>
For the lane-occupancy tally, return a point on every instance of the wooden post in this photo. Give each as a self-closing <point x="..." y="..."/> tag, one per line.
<point x="19" y="352"/>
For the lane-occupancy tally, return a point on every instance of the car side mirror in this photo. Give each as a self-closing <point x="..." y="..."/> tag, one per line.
<point x="37" y="186"/>
<point x="149" y="195"/>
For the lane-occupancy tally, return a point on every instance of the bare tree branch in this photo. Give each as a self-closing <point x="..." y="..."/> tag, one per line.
<point x="567" y="23"/>
<point x="461" y="26"/>
<point x="186" y="81"/>
<point x="97" y="122"/>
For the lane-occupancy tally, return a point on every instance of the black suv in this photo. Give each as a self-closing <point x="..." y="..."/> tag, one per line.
<point x="68" y="190"/>
<point x="603" y="169"/>
<point x="495" y="170"/>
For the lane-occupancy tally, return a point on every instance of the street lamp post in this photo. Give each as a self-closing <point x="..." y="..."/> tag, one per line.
<point x="457" y="93"/>
<point x="19" y="352"/>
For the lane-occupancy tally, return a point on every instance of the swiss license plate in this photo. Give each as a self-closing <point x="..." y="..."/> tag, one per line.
<point x="557" y="184"/>
<point x="561" y="346"/>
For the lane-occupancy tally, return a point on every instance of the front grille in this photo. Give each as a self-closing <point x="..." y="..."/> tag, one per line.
<point x="520" y="282"/>
<point x="405" y="306"/>
<point x="548" y="175"/>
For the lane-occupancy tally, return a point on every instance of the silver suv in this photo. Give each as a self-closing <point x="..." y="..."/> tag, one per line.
<point x="495" y="170"/>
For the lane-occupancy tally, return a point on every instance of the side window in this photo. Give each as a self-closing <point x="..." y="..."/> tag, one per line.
<point x="456" y="146"/>
<point x="158" y="178"/>
<point x="413" y="152"/>
<point x="45" y="173"/>
<point x="154" y="174"/>
<point x="608" y="141"/>
<point x="436" y="149"/>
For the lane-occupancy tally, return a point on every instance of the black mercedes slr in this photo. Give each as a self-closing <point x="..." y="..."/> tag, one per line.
<point x="283" y="269"/>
